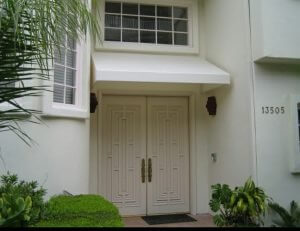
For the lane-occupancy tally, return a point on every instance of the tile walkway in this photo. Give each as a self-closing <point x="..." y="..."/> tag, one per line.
<point x="203" y="220"/>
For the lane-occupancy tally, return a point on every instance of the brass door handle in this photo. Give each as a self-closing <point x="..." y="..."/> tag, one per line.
<point x="143" y="170"/>
<point x="149" y="170"/>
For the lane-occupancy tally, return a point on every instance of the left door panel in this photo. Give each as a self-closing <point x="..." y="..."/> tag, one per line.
<point x="123" y="151"/>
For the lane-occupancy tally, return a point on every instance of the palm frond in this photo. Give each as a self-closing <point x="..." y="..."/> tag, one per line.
<point x="293" y="207"/>
<point x="283" y="213"/>
<point x="30" y="30"/>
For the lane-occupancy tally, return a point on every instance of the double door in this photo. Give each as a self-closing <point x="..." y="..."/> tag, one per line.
<point x="145" y="154"/>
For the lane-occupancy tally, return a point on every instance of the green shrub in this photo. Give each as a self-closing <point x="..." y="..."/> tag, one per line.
<point x="289" y="218"/>
<point x="243" y="206"/>
<point x="81" y="211"/>
<point x="11" y="185"/>
<point x="14" y="212"/>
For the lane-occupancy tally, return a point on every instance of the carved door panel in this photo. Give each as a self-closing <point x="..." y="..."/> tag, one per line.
<point x="168" y="153"/>
<point x="123" y="152"/>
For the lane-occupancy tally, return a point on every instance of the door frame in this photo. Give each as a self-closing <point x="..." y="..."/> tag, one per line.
<point x="193" y="100"/>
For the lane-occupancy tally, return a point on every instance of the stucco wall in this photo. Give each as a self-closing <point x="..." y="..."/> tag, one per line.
<point x="59" y="161"/>
<point x="275" y="30"/>
<point x="59" y="157"/>
<point x="230" y="132"/>
<point x="274" y="84"/>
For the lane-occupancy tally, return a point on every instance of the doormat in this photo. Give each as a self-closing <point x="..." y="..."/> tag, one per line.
<point x="167" y="219"/>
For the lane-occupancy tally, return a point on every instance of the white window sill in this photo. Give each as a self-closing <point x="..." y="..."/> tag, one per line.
<point x="66" y="112"/>
<point x="146" y="48"/>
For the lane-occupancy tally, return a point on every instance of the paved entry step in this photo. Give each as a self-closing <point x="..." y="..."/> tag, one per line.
<point x="167" y="219"/>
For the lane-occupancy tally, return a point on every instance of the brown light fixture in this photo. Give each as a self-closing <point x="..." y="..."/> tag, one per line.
<point x="93" y="103"/>
<point x="211" y="105"/>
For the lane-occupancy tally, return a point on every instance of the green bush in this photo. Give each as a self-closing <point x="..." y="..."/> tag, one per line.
<point x="81" y="211"/>
<point x="14" y="212"/>
<point x="243" y="206"/>
<point x="11" y="185"/>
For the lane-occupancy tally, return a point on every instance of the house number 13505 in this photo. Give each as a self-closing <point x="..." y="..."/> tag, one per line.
<point x="273" y="110"/>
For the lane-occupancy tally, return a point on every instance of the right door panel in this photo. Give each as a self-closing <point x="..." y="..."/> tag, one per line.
<point x="168" y="152"/>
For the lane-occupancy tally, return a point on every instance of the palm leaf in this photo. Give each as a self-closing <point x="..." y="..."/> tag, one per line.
<point x="295" y="213"/>
<point x="30" y="30"/>
<point x="283" y="213"/>
<point x="293" y="208"/>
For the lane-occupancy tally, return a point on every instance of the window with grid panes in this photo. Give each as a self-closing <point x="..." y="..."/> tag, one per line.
<point x="145" y="23"/>
<point x="65" y="72"/>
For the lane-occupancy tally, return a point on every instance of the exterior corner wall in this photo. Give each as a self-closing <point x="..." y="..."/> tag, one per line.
<point x="274" y="28"/>
<point x="274" y="84"/>
<point x="230" y="133"/>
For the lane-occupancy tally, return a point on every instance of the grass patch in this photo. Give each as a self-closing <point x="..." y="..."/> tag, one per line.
<point x="81" y="211"/>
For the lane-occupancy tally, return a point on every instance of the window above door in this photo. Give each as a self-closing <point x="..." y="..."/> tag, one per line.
<point x="137" y="23"/>
<point x="150" y="26"/>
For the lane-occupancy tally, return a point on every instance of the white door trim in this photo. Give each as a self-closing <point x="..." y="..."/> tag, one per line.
<point x="194" y="99"/>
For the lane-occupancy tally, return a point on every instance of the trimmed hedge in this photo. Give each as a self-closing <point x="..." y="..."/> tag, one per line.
<point x="81" y="211"/>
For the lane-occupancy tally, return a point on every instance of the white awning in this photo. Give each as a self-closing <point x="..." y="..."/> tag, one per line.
<point x="124" y="67"/>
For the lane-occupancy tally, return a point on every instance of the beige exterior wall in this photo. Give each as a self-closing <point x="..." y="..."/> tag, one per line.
<point x="275" y="36"/>
<point x="59" y="161"/>
<point x="275" y="30"/>
<point x="246" y="141"/>
<point x="230" y="132"/>
<point x="275" y="83"/>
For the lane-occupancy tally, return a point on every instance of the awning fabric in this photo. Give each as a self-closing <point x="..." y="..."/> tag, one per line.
<point x="124" y="67"/>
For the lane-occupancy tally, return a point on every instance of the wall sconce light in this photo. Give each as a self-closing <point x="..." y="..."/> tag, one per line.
<point x="211" y="105"/>
<point x="93" y="102"/>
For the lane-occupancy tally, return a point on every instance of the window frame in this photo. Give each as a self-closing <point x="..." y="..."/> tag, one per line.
<point x="80" y="108"/>
<point x="193" y="30"/>
<point x="294" y="159"/>
<point x="77" y="69"/>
